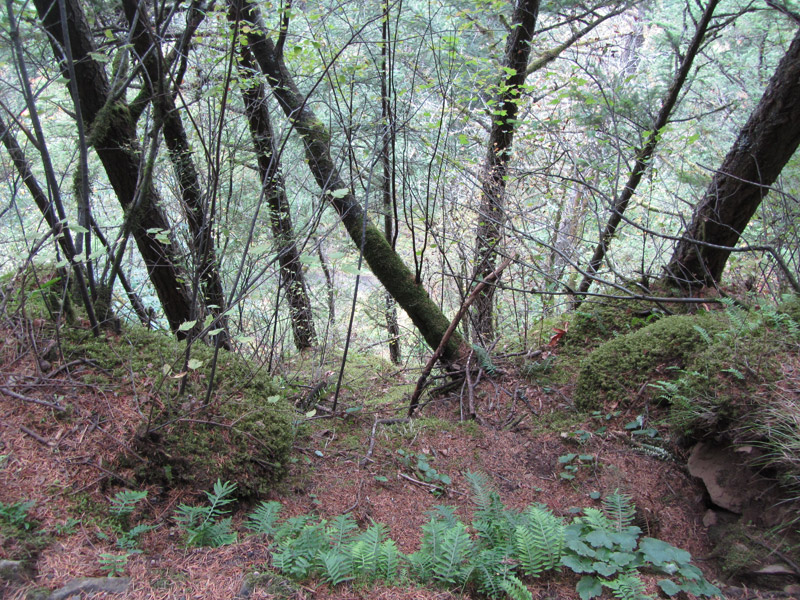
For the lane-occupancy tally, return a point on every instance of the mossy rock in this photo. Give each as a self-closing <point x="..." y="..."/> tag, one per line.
<point x="244" y="434"/>
<point x="619" y="367"/>
<point x="242" y="439"/>
<point x="595" y="323"/>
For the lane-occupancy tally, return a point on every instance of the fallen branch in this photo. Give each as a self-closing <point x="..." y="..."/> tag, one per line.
<point x="34" y="435"/>
<point x="412" y="405"/>
<point x="11" y="394"/>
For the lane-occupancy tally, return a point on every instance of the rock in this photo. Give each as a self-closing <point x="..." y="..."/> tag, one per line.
<point x="109" y="585"/>
<point x="710" y="518"/>
<point x="730" y="484"/>
<point x="12" y="571"/>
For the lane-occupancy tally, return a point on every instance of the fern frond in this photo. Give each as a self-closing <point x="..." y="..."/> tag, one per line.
<point x="627" y="587"/>
<point x="262" y="519"/>
<point x="596" y="519"/>
<point x="340" y="529"/>
<point x="290" y="528"/>
<point x="619" y="509"/>
<point x="455" y="548"/>
<point x="336" y="566"/>
<point x="493" y="523"/>
<point x="515" y="589"/>
<point x="540" y="541"/>
<point x="366" y="548"/>
<point x="490" y="568"/>
<point x="388" y="561"/>
<point x="447" y="514"/>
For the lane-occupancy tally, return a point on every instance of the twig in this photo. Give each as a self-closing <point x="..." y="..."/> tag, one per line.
<point x="363" y="462"/>
<point x="34" y="435"/>
<point x="11" y="394"/>
<point x="429" y="485"/>
<point x="412" y="405"/>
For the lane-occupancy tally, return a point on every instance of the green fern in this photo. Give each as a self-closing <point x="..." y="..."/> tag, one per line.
<point x="388" y="561"/>
<point x="703" y="334"/>
<point x="490" y="568"/>
<point x="484" y="360"/>
<point x="628" y="587"/>
<point x="205" y="525"/>
<point x="341" y="529"/>
<point x="539" y="542"/>
<point x="493" y="523"/>
<point x="620" y="510"/>
<point x="515" y="589"/>
<point x="366" y="549"/>
<point x="455" y="549"/>
<point x="337" y="566"/>
<point x="262" y="519"/>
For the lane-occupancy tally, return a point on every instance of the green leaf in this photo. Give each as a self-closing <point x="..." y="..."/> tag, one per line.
<point x="187" y="325"/>
<point x="273" y="399"/>
<point x="589" y="587"/>
<point x="194" y="364"/>
<point x="669" y="587"/>
<point x="340" y="193"/>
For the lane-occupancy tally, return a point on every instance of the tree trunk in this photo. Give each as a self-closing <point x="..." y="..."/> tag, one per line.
<point x="645" y="153"/>
<point x="504" y="119"/>
<point x="384" y="262"/>
<point x="388" y="183"/>
<point x="280" y="219"/>
<point x="113" y="135"/>
<point x="180" y="153"/>
<point x="765" y="144"/>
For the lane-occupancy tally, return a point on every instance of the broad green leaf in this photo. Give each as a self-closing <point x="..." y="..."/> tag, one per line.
<point x="589" y="587"/>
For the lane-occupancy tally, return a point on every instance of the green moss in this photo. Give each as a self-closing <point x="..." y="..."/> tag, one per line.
<point x="595" y="323"/>
<point x="244" y="435"/>
<point x="619" y="367"/>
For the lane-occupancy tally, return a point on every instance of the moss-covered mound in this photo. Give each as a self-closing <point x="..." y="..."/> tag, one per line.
<point x="730" y="375"/>
<point x="622" y="365"/>
<point x="596" y="322"/>
<point x="243" y="435"/>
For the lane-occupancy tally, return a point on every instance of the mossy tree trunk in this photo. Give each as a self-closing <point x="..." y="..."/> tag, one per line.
<point x="764" y="146"/>
<point x="113" y="136"/>
<point x="195" y="205"/>
<point x="491" y="214"/>
<point x="292" y="279"/>
<point x="383" y="261"/>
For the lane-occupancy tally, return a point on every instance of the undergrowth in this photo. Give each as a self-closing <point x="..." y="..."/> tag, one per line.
<point x="494" y="556"/>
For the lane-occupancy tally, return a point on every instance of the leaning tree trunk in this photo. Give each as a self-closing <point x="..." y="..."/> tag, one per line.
<point x="255" y="106"/>
<point x="765" y="144"/>
<point x="113" y="135"/>
<point x="180" y="153"/>
<point x="504" y="118"/>
<point x="645" y="153"/>
<point x="384" y="262"/>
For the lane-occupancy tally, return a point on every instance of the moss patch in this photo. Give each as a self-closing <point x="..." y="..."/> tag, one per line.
<point x="619" y="367"/>
<point x="243" y="435"/>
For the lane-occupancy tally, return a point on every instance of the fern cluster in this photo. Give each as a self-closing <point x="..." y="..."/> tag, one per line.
<point x="493" y="557"/>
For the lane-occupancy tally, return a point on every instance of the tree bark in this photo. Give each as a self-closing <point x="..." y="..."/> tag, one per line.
<point x="764" y="146"/>
<point x="388" y="184"/>
<point x="384" y="262"/>
<point x="504" y="120"/>
<point x="113" y="136"/>
<point x="280" y="219"/>
<point x="195" y="206"/>
<point x="645" y="153"/>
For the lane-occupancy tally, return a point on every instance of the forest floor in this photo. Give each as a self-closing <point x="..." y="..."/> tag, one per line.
<point x="522" y="430"/>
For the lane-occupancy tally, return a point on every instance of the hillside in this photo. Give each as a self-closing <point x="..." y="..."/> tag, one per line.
<point x="78" y="431"/>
